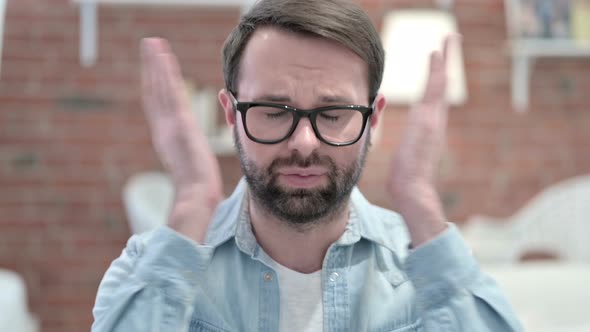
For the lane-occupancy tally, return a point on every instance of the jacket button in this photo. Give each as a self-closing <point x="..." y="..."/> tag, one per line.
<point x="334" y="276"/>
<point x="267" y="276"/>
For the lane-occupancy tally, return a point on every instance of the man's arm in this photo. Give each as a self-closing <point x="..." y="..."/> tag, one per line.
<point x="452" y="293"/>
<point x="414" y="167"/>
<point x="152" y="285"/>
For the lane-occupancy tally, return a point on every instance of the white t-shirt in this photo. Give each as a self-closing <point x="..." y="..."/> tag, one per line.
<point x="301" y="300"/>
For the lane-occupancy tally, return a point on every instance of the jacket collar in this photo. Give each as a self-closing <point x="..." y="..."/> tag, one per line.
<point x="378" y="225"/>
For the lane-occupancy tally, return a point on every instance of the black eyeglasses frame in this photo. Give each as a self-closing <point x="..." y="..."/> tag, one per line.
<point x="297" y="113"/>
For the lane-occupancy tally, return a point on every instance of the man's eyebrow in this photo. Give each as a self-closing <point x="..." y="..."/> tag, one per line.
<point x="335" y="99"/>
<point x="324" y="99"/>
<point x="274" y="98"/>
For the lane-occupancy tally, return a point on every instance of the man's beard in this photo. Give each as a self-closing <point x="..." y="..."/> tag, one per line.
<point x="301" y="207"/>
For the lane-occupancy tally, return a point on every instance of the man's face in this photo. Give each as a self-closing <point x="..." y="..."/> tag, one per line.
<point x="299" y="180"/>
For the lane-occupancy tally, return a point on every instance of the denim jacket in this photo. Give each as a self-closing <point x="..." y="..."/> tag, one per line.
<point x="371" y="281"/>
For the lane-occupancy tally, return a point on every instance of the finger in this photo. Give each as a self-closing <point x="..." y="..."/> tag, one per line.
<point x="167" y="85"/>
<point x="161" y="45"/>
<point x="150" y="47"/>
<point x="149" y="74"/>
<point x="152" y="71"/>
<point x="445" y="47"/>
<point x="449" y="41"/>
<point x="146" y="84"/>
<point x="170" y="99"/>
<point x="436" y="82"/>
<point x="173" y="95"/>
<point x="437" y="76"/>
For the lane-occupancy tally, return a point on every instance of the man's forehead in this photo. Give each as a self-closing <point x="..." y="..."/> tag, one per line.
<point x="300" y="70"/>
<point x="269" y="35"/>
<point x="274" y="47"/>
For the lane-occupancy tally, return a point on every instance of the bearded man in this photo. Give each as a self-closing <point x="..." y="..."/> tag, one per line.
<point x="297" y="247"/>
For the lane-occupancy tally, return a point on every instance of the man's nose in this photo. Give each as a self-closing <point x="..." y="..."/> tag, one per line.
<point x="304" y="139"/>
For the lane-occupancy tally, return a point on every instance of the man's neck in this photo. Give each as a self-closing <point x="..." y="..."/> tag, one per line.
<point x="298" y="248"/>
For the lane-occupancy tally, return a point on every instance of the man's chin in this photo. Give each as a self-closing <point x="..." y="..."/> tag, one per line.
<point x="295" y="182"/>
<point x="297" y="193"/>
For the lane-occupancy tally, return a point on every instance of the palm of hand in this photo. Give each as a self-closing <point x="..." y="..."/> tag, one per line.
<point x="179" y="142"/>
<point x="412" y="175"/>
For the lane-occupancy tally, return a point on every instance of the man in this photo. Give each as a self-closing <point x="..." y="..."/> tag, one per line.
<point x="297" y="247"/>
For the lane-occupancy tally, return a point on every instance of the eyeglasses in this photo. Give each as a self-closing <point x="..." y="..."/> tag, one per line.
<point x="270" y="123"/>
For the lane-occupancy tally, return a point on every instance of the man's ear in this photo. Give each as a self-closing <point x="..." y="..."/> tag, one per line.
<point x="376" y="123"/>
<point x="226" y="102"/>
<point x="378" y="106"/>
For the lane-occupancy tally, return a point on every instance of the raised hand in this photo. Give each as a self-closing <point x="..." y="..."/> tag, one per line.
<point x="179" y="142"/>
<point x="412" y="176"/>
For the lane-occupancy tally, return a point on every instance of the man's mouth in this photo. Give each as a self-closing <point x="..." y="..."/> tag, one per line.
<point x="307" y="177"/>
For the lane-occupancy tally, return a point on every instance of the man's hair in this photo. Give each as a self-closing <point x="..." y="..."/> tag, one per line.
<point x="341" y="21"/>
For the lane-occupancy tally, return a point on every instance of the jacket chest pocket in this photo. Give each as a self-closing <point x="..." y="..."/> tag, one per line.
<point x="391" y="304"/>
<point x="201" y="326"/>
<point x="414" y="327"/>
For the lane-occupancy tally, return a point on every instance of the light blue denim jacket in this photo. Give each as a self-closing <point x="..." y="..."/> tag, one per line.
<point x="371" y="281"/>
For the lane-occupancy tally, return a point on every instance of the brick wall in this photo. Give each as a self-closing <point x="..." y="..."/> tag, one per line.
<point x="71" y="136"/>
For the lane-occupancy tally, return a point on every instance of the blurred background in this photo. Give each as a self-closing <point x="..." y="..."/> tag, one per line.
<point x="72" y="131"/>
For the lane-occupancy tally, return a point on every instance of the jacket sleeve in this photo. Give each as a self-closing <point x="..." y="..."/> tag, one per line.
<point x="452" y="293"/>
<point x="152" y="285"/>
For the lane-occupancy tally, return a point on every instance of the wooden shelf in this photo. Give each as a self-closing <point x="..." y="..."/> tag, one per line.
<point x="211" y="3"/>
<point x="524" y="52"/>
<point x="89" y="18"/>
<point x="550" y="48"/>
<point x="221" y="144"/>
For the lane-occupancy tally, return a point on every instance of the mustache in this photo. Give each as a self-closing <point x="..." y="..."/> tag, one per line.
<point x="299" y="161"/>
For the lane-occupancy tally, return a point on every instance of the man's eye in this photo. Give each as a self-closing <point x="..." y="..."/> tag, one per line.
<point x="275" y="115"/>
<point x="328" y="117"/>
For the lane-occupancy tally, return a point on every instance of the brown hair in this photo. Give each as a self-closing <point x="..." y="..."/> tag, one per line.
<point x="342" y="21"/>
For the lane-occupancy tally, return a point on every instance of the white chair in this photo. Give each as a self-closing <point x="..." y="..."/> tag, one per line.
<point x="14" y="314"/>
<point x="147" y="198"/>
<point x="556" y="221"/>
<point x="549" y="295"/>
